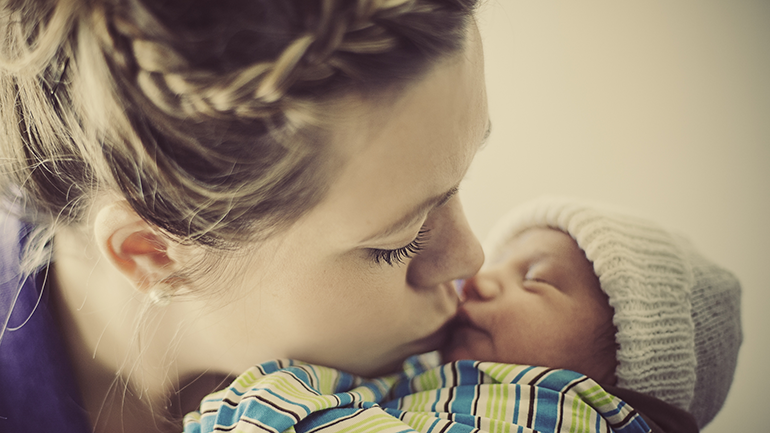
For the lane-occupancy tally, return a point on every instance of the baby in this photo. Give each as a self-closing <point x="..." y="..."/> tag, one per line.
<point x="542" y="305"/>
<point x="584" y="319"/>
<point x="586" y="288"/>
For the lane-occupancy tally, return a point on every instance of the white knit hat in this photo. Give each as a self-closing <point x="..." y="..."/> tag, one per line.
<point x="677" y="314"/>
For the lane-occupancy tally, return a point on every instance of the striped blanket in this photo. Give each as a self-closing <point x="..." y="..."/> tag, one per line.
<point x="463" y="396"/>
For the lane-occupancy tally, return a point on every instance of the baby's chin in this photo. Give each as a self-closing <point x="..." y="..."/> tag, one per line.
<point x="453" y="351"/>
<point x="466" y="342"/>
<point x="448" y="356"/>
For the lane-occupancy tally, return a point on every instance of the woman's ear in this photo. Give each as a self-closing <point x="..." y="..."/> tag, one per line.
<point x="138" y="250"/>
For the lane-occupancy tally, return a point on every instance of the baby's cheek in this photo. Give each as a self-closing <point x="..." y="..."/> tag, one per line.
<point x="606" y="348"/>
<point x="593" y="354"/>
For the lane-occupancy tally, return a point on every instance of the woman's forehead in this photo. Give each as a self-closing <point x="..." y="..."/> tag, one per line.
<point x="418" y="149"/>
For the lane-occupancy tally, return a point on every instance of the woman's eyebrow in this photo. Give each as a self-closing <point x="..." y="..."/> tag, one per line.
<point x="422" y="209"/>
<point x="417" y="213"/>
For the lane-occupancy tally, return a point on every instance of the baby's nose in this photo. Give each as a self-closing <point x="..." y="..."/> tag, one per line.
<point x="479" y="289"/>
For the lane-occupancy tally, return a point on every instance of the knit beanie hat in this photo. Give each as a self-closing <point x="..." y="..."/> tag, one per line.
<point x="677" y="314"/>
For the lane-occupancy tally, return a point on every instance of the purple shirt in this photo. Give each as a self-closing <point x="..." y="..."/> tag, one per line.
<point x="38" y="390"/>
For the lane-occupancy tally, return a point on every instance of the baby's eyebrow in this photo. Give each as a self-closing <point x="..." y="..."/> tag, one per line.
<point x="546" y="260"/>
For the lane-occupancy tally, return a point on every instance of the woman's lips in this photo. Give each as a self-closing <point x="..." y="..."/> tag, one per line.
<point x="440" y="337"/>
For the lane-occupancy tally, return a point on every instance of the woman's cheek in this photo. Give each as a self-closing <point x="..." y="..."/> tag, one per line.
<point x="354" y="298"/>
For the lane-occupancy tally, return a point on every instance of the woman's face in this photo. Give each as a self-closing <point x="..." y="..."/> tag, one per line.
<point x="346" y="285"/>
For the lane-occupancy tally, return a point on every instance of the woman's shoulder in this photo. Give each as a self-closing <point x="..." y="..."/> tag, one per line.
<point x="12" y="235"/>
<point x="39" y="390"/>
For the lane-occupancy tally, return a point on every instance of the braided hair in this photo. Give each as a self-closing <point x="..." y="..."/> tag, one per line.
<point x="207" y="116"/>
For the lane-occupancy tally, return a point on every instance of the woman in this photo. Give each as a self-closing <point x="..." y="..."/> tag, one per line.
<point x="206" y="185"/>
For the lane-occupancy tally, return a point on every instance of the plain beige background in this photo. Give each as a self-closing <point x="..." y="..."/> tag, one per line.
<point x="662" y="107"/>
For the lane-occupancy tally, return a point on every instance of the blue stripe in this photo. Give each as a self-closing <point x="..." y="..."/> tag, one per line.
<point x="517" y="401"/>
<point x="559" y="379"/>
<point x="547" y="413"/>
<point x="523" y="372"/>
<point x="542" y="407"/>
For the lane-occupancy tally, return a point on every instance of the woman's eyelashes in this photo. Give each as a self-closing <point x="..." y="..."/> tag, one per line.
<point x="399" y="255"/>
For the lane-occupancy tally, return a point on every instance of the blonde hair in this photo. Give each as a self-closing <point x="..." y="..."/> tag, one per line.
<point x="205" y="115"/>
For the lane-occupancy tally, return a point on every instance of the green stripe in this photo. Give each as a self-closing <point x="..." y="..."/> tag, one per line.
<point x="487" y="391"/>
<point x="508" y="425"/>
<point x="573" y="426"/>
<point x="585" y="416"/>
<point x="365" y="393"/>
<point x="419" y="421"/>
<point x="596" y="396"/>
<point x="246" y="380"/>
<point x="428" y="380"/>
<point x="435" y="379"/>
<point x="417" y="401"/>
<point x="423" y="420"/>
<point x="495" y="403"/>
<point x="288" y="387"/>
<point x="504" y="405"/>
<point x="507" y="370"/>
<point x="500" y="373"/>
<point x="381" y="422"/>
<point x="326" y="380"/>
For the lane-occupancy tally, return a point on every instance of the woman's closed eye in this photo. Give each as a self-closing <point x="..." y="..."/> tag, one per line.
<point x="399" y="255"/>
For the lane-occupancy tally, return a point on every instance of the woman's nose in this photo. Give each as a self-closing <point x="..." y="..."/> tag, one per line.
<point x="453" y="252"/>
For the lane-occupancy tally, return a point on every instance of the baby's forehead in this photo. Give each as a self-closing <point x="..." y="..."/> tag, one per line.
<point x="539" y="243"/>
<point x="549" y="254"/>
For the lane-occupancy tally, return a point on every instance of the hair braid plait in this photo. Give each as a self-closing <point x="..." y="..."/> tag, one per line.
<point x="210" y="117"/>
<point x="265" y="88"/>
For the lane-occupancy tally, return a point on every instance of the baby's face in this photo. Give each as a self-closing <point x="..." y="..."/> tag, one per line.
<point x="542" y="305"/>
